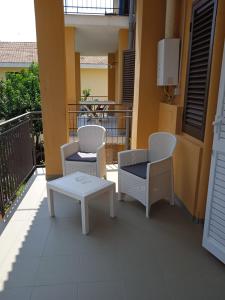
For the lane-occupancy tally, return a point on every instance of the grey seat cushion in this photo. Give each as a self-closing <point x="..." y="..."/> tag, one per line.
<point x="139" y="170"/>
<point x="82" y="156"/>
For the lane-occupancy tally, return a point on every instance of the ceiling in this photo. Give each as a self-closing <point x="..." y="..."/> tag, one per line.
<point x="96" y="35"/>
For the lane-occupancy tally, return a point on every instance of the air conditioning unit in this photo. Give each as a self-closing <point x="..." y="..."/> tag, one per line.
<point x="168" y="62"/>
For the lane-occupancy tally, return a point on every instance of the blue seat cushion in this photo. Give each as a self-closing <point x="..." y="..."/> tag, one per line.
<point x="139" y="169"/>
<point x="82" y="156"/>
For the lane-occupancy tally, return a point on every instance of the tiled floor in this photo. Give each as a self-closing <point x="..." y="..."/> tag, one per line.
<point x="127" y="258"/>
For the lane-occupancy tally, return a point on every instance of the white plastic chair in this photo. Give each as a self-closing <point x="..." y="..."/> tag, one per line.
<point x="87" y="154"/>
<point x="147" y="174"/>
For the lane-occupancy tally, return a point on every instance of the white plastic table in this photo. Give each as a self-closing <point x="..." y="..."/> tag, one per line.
<point x="82" y="187"/>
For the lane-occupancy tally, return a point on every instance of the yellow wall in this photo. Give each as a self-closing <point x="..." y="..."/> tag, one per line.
<point x="212" y="104"/>
<point x="5" y="70"/>
<point x="192" y="157"/>
<point x="150" y="29"/>
<point x="96" y="80"/>
<point x="51" y="55"/>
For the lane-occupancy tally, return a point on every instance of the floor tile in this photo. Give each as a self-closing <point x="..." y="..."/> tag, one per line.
<point x="146" y="289"/>
<point x="22" y="293"/>
<point x="55" y="292"/>
<point x="101" y="291"/>
<point x="99" y="267"/>
<point x="58" y="270"/>
<point x="63" y="238"/>
<point x="20" y="273"/>
<point x="129" y="257"/>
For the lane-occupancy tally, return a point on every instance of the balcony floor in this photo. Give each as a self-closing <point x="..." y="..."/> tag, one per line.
<point x="129" y="258"/>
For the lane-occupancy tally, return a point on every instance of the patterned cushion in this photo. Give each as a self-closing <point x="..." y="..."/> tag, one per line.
<point x="82" y="156"/>
<point x="139" y="170"/>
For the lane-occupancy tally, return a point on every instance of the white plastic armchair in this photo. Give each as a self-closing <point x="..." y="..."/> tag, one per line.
<point x="87" y="154"/>
<point x="147" y="174"/>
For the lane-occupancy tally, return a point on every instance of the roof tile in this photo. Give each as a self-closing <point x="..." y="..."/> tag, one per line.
<point x="18" y="52"/>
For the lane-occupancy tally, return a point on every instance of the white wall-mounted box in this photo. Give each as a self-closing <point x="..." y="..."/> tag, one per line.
<point x="168" y="62"/>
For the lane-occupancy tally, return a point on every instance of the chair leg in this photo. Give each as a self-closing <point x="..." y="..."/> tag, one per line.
<point x="147" y="211"/>
<point x="172" y="190"/>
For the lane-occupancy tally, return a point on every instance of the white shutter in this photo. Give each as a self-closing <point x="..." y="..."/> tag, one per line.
<point x="214" y="229"/>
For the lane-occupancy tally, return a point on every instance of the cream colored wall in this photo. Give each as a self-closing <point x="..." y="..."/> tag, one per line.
<point x="5" y="70"/>
<point x="96" y="80"/>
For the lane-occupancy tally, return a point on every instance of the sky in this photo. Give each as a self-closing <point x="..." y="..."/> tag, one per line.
<point x="17" y="21"/>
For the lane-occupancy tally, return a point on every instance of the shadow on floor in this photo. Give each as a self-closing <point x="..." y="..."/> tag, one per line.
<point x="129" y="257"/>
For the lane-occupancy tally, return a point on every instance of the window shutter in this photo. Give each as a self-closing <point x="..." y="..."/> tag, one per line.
<point x="198" y="75"/>
<point x="128" y="75"/>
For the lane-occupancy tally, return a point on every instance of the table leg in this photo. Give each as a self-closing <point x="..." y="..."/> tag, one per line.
<point x="50" y="202"/>
<point x="84" y="216"/>
<point x="112" y="202"/>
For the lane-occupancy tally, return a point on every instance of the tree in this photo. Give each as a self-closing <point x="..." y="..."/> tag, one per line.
<point x="20" y="92"/>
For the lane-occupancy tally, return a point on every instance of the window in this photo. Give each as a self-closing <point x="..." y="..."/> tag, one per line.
<point x="128" y="75"/>
<point x="199" y="63"/>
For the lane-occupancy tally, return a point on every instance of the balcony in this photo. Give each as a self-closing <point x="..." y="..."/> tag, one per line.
<point x="129" y="257"/>
<point x="93" y="7"/>
<point x="97" y="25"/>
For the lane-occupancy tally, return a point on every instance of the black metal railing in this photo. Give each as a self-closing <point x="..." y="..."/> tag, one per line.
<point x="95" y="7"/>
<point x="21" y="151"/>
<point x="115" y="118"/>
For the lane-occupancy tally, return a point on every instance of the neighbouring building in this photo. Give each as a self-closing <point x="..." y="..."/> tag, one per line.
<point x="94" y="75"/>
<point x="15" y="56"/>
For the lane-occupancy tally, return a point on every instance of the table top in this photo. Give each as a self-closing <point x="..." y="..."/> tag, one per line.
<point x="79" y="185"/>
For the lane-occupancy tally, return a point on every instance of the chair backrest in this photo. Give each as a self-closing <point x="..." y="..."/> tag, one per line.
<point x="90" y="137"/>
<point x="161" y="145"/>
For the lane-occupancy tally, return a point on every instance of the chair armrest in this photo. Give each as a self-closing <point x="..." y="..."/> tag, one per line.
<point x="101" y="161"/>
<point x="68" y="149"/>
<point x="160" y="167"/>
<point x="131" y="157"/>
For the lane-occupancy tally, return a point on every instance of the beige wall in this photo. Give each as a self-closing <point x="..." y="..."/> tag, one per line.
<point x="96" y="80"/>
<point x="5" y="70"/>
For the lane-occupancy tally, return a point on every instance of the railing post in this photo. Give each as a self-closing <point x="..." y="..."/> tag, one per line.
<point x="33" y="139"/>
<point x="17" y="156"/>
<point x="1" y="206"/>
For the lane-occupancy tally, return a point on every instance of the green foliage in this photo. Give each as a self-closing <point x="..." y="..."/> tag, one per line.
<point x="86" y="93"/>
<point x="20" y="92"/>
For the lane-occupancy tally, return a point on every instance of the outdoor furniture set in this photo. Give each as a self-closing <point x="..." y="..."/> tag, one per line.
<point x="144" y="174"/>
